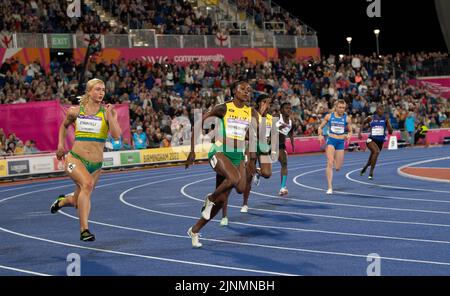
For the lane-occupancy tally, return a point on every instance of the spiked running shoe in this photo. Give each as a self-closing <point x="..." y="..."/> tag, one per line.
<point x="195" y="238"/>
<point x="55" y="206"/>
<point x="207" y="208"/>
<point x="87" y="236"/>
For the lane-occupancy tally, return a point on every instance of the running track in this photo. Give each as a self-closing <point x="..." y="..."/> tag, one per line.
<point x="140" y="221"/>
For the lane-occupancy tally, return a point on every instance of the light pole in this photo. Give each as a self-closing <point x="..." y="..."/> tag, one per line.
<point x="377" y="32"/>
<point x="349" y="40"/>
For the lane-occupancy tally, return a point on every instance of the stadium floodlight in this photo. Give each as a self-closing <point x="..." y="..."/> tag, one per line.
<point x="377" y="32"/>
<point x="349" y="40"/>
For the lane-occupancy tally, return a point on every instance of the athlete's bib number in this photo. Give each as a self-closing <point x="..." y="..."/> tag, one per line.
<point x="236" y="129"/>
<point x="89" y="125"/>
<point x="337" y="129"/>
<point x="378" y="131"/>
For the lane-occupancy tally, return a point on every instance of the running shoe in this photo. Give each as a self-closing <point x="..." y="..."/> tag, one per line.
<point x="87" y="236"/>
<point x="224" y="222"/>
<point x="256" y="179"/>
<point x="195" y="238"/>
<point x="363" y="171"/>
<point x="283" y="191"/>
<point x="207" y="208"/>
<point x="244" y="209"/>
<point x="55" y="206"/>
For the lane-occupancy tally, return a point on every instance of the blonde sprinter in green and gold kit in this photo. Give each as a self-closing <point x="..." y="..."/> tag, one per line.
<point x="93" y="121"/>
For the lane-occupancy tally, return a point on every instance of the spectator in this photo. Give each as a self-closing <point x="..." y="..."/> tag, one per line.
<point x="19" y="149"/>
<point x="421" y="132"/>
<point x="115" y="145"/>
<point x="410" y="126"/>
<point x="166" y="141"/>
<point x="140" y="139"/>
<point x="2" y="150"/>
<point x="11" y="148"/>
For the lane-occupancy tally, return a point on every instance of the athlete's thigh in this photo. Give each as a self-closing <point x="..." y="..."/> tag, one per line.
<point x="373" y="147"/>
<point x="223" y="166"/>
<point x="96" y="176"/>
<point x="76" y="170"/>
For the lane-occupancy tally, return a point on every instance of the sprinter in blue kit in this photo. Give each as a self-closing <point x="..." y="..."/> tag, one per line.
<point x="340" y="130"/>
<point x="379" y="123"/>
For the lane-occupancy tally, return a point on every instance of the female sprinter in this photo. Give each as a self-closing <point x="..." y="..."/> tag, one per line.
<point x="226" y="156"/>
<point x="338" y="123"/>
<point x="285" y="129"/>
<point x="263" y="154"/>
<point x="378" y="125"/>
<point x="83" y="164"/>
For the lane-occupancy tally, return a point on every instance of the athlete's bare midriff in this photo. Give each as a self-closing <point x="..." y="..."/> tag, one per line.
<point x="91" y="151"/>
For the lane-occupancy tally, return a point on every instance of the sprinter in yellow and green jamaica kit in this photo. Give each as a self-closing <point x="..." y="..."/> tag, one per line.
<point x="227" y="153"/>
<point x="263" y="103"/>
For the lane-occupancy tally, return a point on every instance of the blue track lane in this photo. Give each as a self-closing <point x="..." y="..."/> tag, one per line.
<point x="140" y="221"/>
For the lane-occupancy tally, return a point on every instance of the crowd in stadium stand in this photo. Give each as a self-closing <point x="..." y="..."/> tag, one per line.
<point x="267" y="18"/>
<point x="161" y="96"/>
<point x="12" y="145"/>
<point x="50" y="16"/>
<point x="166" y="17"/>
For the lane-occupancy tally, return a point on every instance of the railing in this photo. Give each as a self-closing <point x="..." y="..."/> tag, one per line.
<point x="149" y="39"/>
<point x="276" y="27"/>
<point x="238" y="27"/>
<point x="274" y="8"/>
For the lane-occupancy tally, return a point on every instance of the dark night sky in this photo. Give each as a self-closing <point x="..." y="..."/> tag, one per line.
<point x="405" y="25"/>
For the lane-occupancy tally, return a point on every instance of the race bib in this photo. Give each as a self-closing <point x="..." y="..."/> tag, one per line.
<point x="378" y="131"/>
<point x="89" y="125"/>
<point x="337" y="129"/>
<point x="236" y="129"/>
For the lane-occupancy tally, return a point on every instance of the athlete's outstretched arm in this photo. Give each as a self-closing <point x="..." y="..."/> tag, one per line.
<point x="71" y="116"/>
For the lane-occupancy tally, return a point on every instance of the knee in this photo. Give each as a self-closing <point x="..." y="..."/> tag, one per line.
<point x="240" y="187"/>
<point x="330" y="163"/>
<point x="87" y="186"/>
<point x="266" y="174"/>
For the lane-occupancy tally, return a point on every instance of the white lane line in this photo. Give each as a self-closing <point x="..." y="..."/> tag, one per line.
<point x="362" y="194"/>
<point x="139" y="255"/>
<point x="103" y="178"/>
<point x="98" y="186"/>
<point x="143" y="256"/>
<point x="400" y="172"/>
<point x="352" y="205"/>
<point x="266" y="246"/>
<point x="122" y="199"/>
<point x="23" y="271"/>
<point x="406" y="175"/>
<point x="325" y="216"/>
